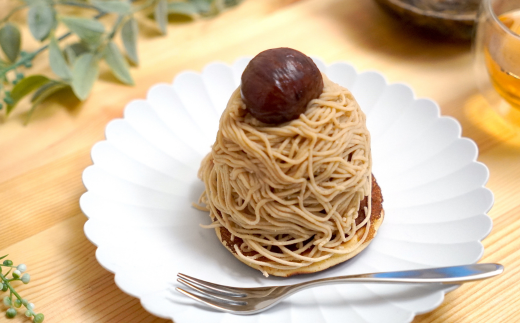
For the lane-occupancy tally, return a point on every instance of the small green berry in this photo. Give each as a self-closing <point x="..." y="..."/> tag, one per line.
<point x="21" y="267"/>
<point x="7" y="301"/>
<point x="25" y="302"/>
<point x="11" y="313"/>
<point x="30" y="306"/>
<point x="26" y="278"/>
<point x="38" y="318"/>
<point x="17" y="303"/>
<point x="15" y="82"/>
<point x="16" y="274"/>
<point x="4" y="287"/>
<point x="19" y="76"/>
<point x="8" y="262"/>
<point x="28" y="313"/>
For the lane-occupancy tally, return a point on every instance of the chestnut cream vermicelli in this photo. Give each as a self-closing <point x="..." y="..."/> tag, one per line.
<point x="291" y="192"/>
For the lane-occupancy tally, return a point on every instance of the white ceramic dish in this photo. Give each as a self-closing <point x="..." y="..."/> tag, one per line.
<point x="144" y="179"/>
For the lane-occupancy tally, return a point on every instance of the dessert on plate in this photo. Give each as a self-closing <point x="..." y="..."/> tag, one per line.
<point x="288" y="182"/>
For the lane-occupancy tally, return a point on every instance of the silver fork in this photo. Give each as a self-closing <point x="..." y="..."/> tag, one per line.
<point x="254" y="300"/>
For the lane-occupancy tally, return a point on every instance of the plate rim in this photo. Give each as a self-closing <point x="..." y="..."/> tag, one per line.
<point x="89" y="222"/>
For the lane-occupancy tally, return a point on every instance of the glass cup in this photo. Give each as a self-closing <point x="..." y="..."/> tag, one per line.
<point x="496" y="50"/>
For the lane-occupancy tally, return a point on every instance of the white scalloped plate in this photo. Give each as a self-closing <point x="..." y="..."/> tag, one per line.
<point x="144" y="179"/>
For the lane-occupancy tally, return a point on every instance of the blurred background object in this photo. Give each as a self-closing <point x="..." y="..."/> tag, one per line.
<point x="496" y="50"/>
<point x="101" y="31"/>
<point x="453" y="19"/>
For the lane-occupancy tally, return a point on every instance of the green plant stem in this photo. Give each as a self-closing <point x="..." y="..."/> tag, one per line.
<point x="115" y="27"/>
<point x="22" y="61"/>
<point x="143" y="6"/>
<point x="12" y="291"/>
<point x="12" y="12"/>
<point x="6" y="281"/>
<point x="31" y="56"/>
<point x="78" y="4"/>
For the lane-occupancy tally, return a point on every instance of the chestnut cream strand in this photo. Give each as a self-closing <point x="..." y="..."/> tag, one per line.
<point x="291" y="192"/>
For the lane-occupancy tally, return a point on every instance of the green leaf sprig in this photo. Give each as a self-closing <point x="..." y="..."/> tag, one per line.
<point x="14" y="300"/>
<point x="76" y="64"/>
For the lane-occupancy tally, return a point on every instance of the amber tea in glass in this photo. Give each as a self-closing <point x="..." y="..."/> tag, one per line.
<point x="497" y="55"/>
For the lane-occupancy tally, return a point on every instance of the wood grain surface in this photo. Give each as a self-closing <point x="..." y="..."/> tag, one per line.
<point x="41" y="223"/>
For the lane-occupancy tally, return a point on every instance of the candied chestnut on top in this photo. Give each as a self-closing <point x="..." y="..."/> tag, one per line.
<point x="278" y="83"/>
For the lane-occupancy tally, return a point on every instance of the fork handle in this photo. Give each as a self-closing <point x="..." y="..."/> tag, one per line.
<point x="442" y="275"/>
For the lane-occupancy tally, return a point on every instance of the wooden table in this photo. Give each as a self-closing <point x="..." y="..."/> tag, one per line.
<point x="41" y="223"/>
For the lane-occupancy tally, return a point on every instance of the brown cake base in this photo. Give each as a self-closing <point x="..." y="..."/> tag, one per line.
<point x="376" y="218"/>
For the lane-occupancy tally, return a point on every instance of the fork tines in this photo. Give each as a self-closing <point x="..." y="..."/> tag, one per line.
<point x="209" y="287"/>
